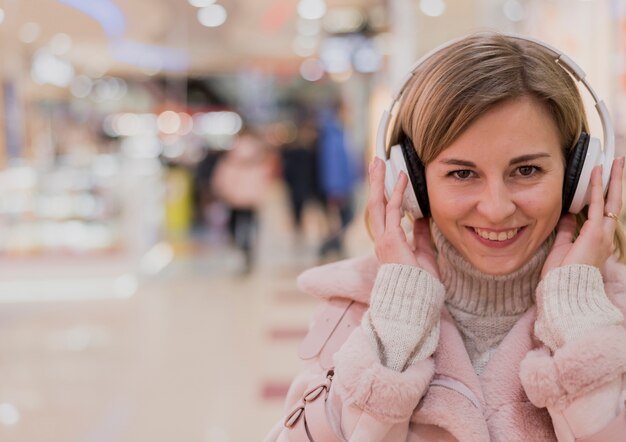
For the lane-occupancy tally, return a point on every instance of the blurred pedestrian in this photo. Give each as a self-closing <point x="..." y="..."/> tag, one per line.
<point x="299" y="171"/>
<point x="337" y="177"/>
<point x="241" y="179"/>
<point x="207" y="207"/>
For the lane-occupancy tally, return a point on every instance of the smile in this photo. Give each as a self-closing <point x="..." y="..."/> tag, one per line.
<point x="502" y="235"/>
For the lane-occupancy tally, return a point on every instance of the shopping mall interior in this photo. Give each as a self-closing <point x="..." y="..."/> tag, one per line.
<point x="132" y="307"/>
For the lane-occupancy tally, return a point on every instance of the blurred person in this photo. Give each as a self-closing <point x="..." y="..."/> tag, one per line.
<point x="241" y="179"/>
<point x="501" y="317"/>
<point x="336" y="177"/>
<point x="207" y="207"/>
<point x="299" y="171"/>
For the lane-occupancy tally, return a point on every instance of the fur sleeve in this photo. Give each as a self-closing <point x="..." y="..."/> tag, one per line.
<point x="385" y="394"/>
<point x="577" y="368"/>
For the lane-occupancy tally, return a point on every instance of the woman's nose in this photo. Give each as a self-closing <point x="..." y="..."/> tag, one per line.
<point x="496" y="202"/>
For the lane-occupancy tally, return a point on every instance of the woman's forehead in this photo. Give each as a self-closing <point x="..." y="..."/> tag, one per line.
<point x="508" y="130"/>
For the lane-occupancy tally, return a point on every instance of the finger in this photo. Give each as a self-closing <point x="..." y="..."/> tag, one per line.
<point x="565" y="230"/>
<point x="421" y="234"/>
<point x="394" y="206"/>
<point x="614" y="195"/>
<point x="376" y="200"/>
<point x="596" y="203"/>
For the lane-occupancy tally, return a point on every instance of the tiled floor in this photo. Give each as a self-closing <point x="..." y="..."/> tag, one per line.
<point x="198" y="354"/>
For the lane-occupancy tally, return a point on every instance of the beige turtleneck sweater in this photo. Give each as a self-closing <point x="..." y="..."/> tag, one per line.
<point x="403" y="319"/>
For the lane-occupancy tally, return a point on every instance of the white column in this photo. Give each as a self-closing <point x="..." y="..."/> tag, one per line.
<point x="404" y="39"/>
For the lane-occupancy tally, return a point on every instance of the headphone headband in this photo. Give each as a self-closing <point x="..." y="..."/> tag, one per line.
<point x="563" y="60"/>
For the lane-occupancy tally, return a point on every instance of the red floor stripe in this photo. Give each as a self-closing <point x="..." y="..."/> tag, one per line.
<point x="274" y="390"/>
<point x="292" y="297"/>
<point x="287" y="333"/>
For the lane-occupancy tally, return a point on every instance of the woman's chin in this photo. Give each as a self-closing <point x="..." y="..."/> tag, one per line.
<point x="499" y="266"/>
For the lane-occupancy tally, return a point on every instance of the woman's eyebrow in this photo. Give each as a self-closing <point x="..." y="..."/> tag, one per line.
<point x="516" y="160"/>
<point x="455" y="162"/>
<point x="529" y="157"/>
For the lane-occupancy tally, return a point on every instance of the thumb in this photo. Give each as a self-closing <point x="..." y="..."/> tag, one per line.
<point x="565" y="230"/>
<point x="421" y="233"/>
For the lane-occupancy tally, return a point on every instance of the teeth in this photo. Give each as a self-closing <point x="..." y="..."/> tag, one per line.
<point x="496" y="236"/>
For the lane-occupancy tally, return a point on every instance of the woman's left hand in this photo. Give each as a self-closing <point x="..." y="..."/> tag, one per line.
<point x="594" y="244"/>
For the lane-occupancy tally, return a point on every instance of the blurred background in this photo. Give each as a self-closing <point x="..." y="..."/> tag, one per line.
<point x="168" y="168"/>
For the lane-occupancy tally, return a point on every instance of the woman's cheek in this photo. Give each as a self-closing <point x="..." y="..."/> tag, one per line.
<point x="547" y="198"/>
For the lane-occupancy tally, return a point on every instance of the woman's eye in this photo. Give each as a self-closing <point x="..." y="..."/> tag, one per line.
<point x="527" y="170"/>
<point x="461" y="174"/>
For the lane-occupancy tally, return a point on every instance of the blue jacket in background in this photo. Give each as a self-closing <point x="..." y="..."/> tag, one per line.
<point x="337" y="171"/>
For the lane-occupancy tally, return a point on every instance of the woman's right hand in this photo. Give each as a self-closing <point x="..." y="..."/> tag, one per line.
<point x="391" y="244"/>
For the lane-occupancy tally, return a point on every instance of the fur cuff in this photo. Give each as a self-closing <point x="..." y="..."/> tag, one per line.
<point x="383" y="393"/>
<point x="575" y="369"/>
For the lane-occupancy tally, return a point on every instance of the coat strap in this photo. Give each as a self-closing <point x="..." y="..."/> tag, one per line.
<point x="458" y="386"/>
<point x="323" y="326"/>
<point x="308" y="421"/>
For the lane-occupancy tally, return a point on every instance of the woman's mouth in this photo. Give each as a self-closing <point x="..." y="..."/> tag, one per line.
<point x="501" y="235"/>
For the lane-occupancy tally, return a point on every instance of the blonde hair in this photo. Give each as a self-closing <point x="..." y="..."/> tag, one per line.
<point x="459" y="83"/>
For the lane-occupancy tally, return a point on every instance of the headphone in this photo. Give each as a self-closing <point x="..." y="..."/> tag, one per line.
<point x="586" y="154"/>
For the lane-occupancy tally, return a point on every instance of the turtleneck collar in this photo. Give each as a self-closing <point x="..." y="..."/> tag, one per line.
<point x="481" y="294"/>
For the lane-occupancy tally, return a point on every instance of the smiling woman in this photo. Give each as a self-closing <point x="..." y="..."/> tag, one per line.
<point x="493" y="205"/>
<point x="499" y="318"/>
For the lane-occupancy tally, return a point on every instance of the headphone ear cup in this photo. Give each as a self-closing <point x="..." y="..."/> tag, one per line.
<point x="394" y="165"/>
<point x="586" y="155"/>
<point x="417" y="175"/>
<point x="593" y="157"/>
<point x="573" y="169"/>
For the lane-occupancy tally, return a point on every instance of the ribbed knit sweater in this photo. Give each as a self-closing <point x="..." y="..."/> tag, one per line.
<point x="403" y="319"/>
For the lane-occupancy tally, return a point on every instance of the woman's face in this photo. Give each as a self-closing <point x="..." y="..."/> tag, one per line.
<point x="495" y="193"/>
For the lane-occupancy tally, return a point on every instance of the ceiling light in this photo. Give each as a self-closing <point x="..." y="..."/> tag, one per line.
<point x="308" y="27"/>
<point x="343" y="20"/>
<point x="311" y="9"/>
<point x="217" y="123"/>
<point x="311" y="69"/>
<point x="29" y="32"/>
<point x="168" y="122"/>
<point x="367" y="59"/>
<point x="60" y="44"/>
<point x="201" y="3"/>
<point x="432" y="8"/>
<point x="186" y="123"/>
<point x="47" y="68"/>
<point x="335" y="54"/>
<point x="212" y="16"/>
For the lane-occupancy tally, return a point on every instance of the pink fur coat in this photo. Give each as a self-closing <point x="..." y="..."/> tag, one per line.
<point x="524" y="394"/>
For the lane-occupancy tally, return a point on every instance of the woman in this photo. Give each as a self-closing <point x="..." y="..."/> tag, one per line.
<point x="499" y="318"/>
